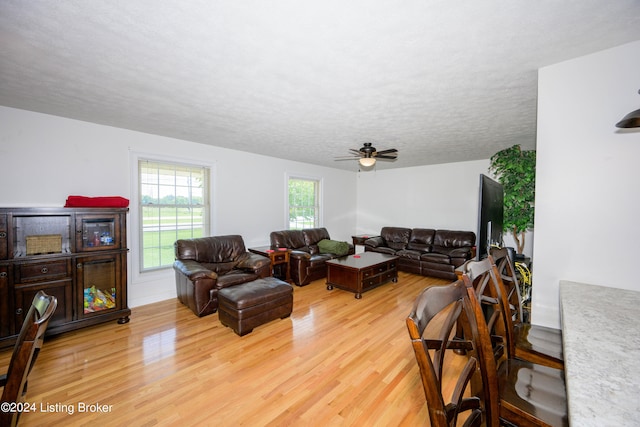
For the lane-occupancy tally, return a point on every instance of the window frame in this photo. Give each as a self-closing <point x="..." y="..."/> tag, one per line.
<point x="319" y="203"/>
<point x="135" y="224"/>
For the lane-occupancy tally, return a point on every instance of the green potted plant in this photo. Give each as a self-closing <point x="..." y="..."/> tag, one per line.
<point x="515" y="169"/>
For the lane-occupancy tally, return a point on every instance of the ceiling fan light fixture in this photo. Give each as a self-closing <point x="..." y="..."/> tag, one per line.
<point x="631" y="120"/>
<point x="367" y="162"/>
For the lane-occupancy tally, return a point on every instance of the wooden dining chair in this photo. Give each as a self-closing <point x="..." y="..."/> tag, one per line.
<point x="431" y="325"/>
<point x="530" y="394"/>
<point x="538" y="344"/>
<point x="25" y="353"/>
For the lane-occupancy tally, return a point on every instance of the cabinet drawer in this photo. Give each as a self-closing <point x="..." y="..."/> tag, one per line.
<point x="367" y="273"/>
<point x="381" y="268"/>
<point x="374" y="270"/>
<point x="43" y="271"/>
<point x="279" y="258"/>
<point x="371" y="281"/>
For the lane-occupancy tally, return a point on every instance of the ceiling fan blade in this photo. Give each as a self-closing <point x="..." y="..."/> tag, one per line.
<point x="386" y="157"/>
<point x="389" y="151"/>
<point x="358" y="152"/>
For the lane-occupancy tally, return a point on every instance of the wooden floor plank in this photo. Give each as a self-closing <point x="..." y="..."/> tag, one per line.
<point x="336" y="361"/>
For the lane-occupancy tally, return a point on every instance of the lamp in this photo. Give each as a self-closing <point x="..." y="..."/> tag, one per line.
<point x="631" y="120"/>
<point x="367" y="162"/>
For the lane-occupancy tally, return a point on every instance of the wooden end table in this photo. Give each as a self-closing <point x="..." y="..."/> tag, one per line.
<point x="278" y="256"/>
<point x="361" y="272"/>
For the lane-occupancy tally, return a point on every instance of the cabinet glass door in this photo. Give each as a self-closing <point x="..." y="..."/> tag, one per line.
<point x="35" y="235"/>
<point x="97" y="232"/>
<point x="98" y="279"/>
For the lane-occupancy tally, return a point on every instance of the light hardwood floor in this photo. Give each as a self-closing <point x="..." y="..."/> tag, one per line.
<point x="336" y="361"/>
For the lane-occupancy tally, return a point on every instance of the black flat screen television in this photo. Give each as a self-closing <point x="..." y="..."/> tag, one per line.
<point x="490" y="216"/>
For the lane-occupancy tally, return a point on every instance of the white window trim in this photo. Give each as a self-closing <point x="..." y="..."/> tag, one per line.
<point x="133" y="225"/>
<point x="293" y="175"/>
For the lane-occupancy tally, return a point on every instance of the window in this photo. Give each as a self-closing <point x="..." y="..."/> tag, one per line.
<point x="304" y="203"/>
<point x="174" y="204"/>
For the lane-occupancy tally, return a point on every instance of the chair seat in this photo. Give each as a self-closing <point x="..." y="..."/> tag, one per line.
<point x="539" y="344"/>
<point x="539" y="388"/>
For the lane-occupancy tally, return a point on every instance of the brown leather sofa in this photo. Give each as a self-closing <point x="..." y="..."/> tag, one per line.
<point x="306" y="262"/>
<point x="205" y="265"/>
<point x="435" y="253"/>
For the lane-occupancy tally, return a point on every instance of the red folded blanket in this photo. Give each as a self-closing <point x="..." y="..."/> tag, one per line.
<point x="96" y="202"/>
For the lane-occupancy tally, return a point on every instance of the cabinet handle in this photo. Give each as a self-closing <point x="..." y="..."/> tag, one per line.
<point x="3" y="274"/>
<point x="19" y="311"/>
<point x="44" y="270"/>
<point x="3" y="235"/>
<point x="79" y="266"/>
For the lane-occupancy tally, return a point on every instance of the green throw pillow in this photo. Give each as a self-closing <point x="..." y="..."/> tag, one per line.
<point x="327" y="246"/>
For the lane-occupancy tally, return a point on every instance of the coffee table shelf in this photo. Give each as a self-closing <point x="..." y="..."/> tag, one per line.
<point x="360" y="273"/>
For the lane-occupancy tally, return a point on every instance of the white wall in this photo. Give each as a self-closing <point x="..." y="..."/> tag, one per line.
<point x="587" y="224"/>
<point x="587" y="197"/>
<point x="46" y="158"/>
<point x="439" y="196"/>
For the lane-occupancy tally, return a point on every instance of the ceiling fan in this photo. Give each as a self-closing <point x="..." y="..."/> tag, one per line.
<point x="367" y="155"/>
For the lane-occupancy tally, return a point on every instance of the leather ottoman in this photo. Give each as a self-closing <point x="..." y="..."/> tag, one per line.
<point x="245" y="306"/>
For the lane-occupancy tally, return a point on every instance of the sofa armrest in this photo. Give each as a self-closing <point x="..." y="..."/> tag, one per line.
<point x="299" y="262"/>
<point x="300" y="255"/>
<point x="254" y="262"/>
<point x="374" y="242"/>
<point x="193" y="270"/>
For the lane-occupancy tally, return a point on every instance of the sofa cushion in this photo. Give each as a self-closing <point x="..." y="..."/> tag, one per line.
<point x="312" y="236"/>
<point x="454" y="239"/>
<point x="327" y="246"/>
<point x="436" y="257"/>
<point x="292" y="239"/>
<point x="213" y="249"/>
<point x="421" y="239"/>
<point x="396" y="237"/>
<point x="410" y="254"/>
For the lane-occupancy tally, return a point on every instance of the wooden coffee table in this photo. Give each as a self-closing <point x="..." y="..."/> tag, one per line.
<point x="361" y="272"/>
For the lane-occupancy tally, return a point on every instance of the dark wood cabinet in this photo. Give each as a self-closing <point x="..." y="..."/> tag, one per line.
<point x="77" y="255"/>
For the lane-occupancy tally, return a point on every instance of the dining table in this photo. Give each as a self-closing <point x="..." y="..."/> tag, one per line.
<point x="601" y="345"/>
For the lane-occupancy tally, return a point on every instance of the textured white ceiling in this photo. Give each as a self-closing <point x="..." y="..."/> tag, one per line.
<point x="441" y="81"/>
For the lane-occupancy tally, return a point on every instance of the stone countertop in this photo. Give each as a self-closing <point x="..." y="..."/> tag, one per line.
<point x="601" y="340"/>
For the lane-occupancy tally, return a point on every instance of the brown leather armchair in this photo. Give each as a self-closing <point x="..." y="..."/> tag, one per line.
<point x="205" y="265"/>
<point x="306" y="262"/>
